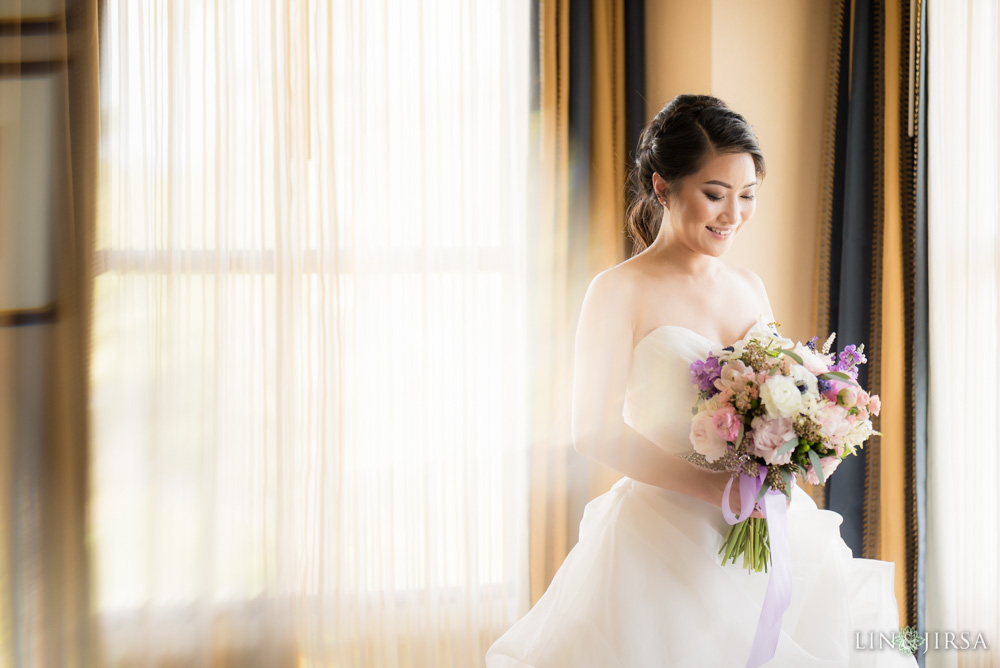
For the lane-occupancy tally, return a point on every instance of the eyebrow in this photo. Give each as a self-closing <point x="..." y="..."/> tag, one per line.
<point x="726" y="185"/>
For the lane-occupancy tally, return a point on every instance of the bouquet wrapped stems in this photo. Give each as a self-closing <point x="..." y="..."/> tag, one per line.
<point x="749" y="538"/>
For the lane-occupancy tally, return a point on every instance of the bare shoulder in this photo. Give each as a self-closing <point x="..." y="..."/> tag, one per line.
<point x="611" y="295"/>
<point x="749" y="277"/>
<point x="753" y="285"/>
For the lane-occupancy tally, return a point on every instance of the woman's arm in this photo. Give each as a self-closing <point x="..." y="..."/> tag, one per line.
<point x="603" y="360"/>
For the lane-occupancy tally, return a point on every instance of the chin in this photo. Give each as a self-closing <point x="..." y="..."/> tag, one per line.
<point x="716" y="248"/>
<point x="715" y="252"/>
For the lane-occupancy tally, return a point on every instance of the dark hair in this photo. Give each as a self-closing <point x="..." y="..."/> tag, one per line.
<point x="674" y="144"/>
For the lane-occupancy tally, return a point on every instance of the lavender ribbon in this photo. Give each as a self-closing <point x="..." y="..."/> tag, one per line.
<point x="779" y="586"/>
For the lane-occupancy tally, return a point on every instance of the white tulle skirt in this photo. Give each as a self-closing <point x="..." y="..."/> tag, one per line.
<point x="644" y="587"/>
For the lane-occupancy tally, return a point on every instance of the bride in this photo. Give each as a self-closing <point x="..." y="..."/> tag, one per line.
<point x="644" y="585"/>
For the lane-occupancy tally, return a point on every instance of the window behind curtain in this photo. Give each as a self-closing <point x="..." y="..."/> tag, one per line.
<point x="309" y="364"/>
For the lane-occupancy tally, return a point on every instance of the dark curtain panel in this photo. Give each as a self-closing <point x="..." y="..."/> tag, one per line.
<point x="635" y="86"/>
<point x="855" y="249"/>
<point x="584" y="55"/>
<point x="581" y="41"/>
<point x="592" y="119"/>
<point x="851" y="279"/>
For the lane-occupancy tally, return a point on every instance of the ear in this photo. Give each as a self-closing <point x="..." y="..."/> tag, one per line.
<point x="661" y="190"/>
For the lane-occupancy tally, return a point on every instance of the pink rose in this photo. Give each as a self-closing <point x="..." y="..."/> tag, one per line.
<point x="874" y="405"/>
<point x="769" y="434"/>
<point x="733" y="376"/>
<point x="828" y="464"/>
<point x="726" y="423"/>
<point x="833" y="420"/>
<point x="705" y="438"/>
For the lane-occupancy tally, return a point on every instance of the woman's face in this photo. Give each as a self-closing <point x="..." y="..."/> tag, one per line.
<point x="711" y="206"/>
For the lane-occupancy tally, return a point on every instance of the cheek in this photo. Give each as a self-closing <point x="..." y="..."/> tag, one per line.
<point x="705" y="210"/>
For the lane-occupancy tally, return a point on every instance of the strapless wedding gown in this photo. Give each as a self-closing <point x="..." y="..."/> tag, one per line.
<point x="644" y="587"/>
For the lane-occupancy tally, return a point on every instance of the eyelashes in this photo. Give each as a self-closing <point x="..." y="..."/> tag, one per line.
<point x="713" y="198"/>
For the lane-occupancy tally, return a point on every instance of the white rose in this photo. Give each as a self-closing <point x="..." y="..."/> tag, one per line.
<point x="781" y="396"/>
<point x="704" y="437"/>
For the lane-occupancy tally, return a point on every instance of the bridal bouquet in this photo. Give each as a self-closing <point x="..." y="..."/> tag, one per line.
<point x="769" y="408"/>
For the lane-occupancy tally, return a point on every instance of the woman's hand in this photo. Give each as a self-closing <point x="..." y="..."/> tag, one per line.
<point x="734" y="497"/>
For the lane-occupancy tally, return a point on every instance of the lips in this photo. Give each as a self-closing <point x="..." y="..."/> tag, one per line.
<point x="720" y="232"/>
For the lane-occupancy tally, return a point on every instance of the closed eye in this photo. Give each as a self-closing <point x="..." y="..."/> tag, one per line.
<point x="717" y="198"/>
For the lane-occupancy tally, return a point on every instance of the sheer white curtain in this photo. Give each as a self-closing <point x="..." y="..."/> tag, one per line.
<point x="308" y="407"/>
<point x="963" y="469"/>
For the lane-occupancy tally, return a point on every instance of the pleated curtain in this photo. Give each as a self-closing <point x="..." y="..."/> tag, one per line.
<point x="963" y="567"/>
<point x="310" y="353"/>
<point x="48" y="164"/>
<point x="589" y="57"/>
<point x="851" y="227"/>
<point x="872" y="275"/>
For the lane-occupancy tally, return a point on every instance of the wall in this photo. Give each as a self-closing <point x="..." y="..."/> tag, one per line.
<point x="767" y="59"/>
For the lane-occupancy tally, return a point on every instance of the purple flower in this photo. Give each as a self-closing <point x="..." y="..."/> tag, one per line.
<point x="843" y="367"/>
<point x="851" y="355"/>
<point x="811" y="344"/>
<point x="850" y="358"/>
<point x="704" y="373"/>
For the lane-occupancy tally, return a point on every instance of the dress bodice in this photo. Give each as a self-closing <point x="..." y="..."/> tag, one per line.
<point x="660" y="395"/>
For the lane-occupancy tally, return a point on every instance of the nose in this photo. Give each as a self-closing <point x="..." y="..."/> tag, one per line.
<point x="731" y="212"/>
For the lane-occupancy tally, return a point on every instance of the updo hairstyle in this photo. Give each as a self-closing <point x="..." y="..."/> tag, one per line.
<point x="674" y="144"/>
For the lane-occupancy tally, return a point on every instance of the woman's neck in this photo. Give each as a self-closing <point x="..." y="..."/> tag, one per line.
<point x="670" y="253"/>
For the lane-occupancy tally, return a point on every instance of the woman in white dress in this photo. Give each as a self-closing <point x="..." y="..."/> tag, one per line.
<point x="644" y="586"/>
